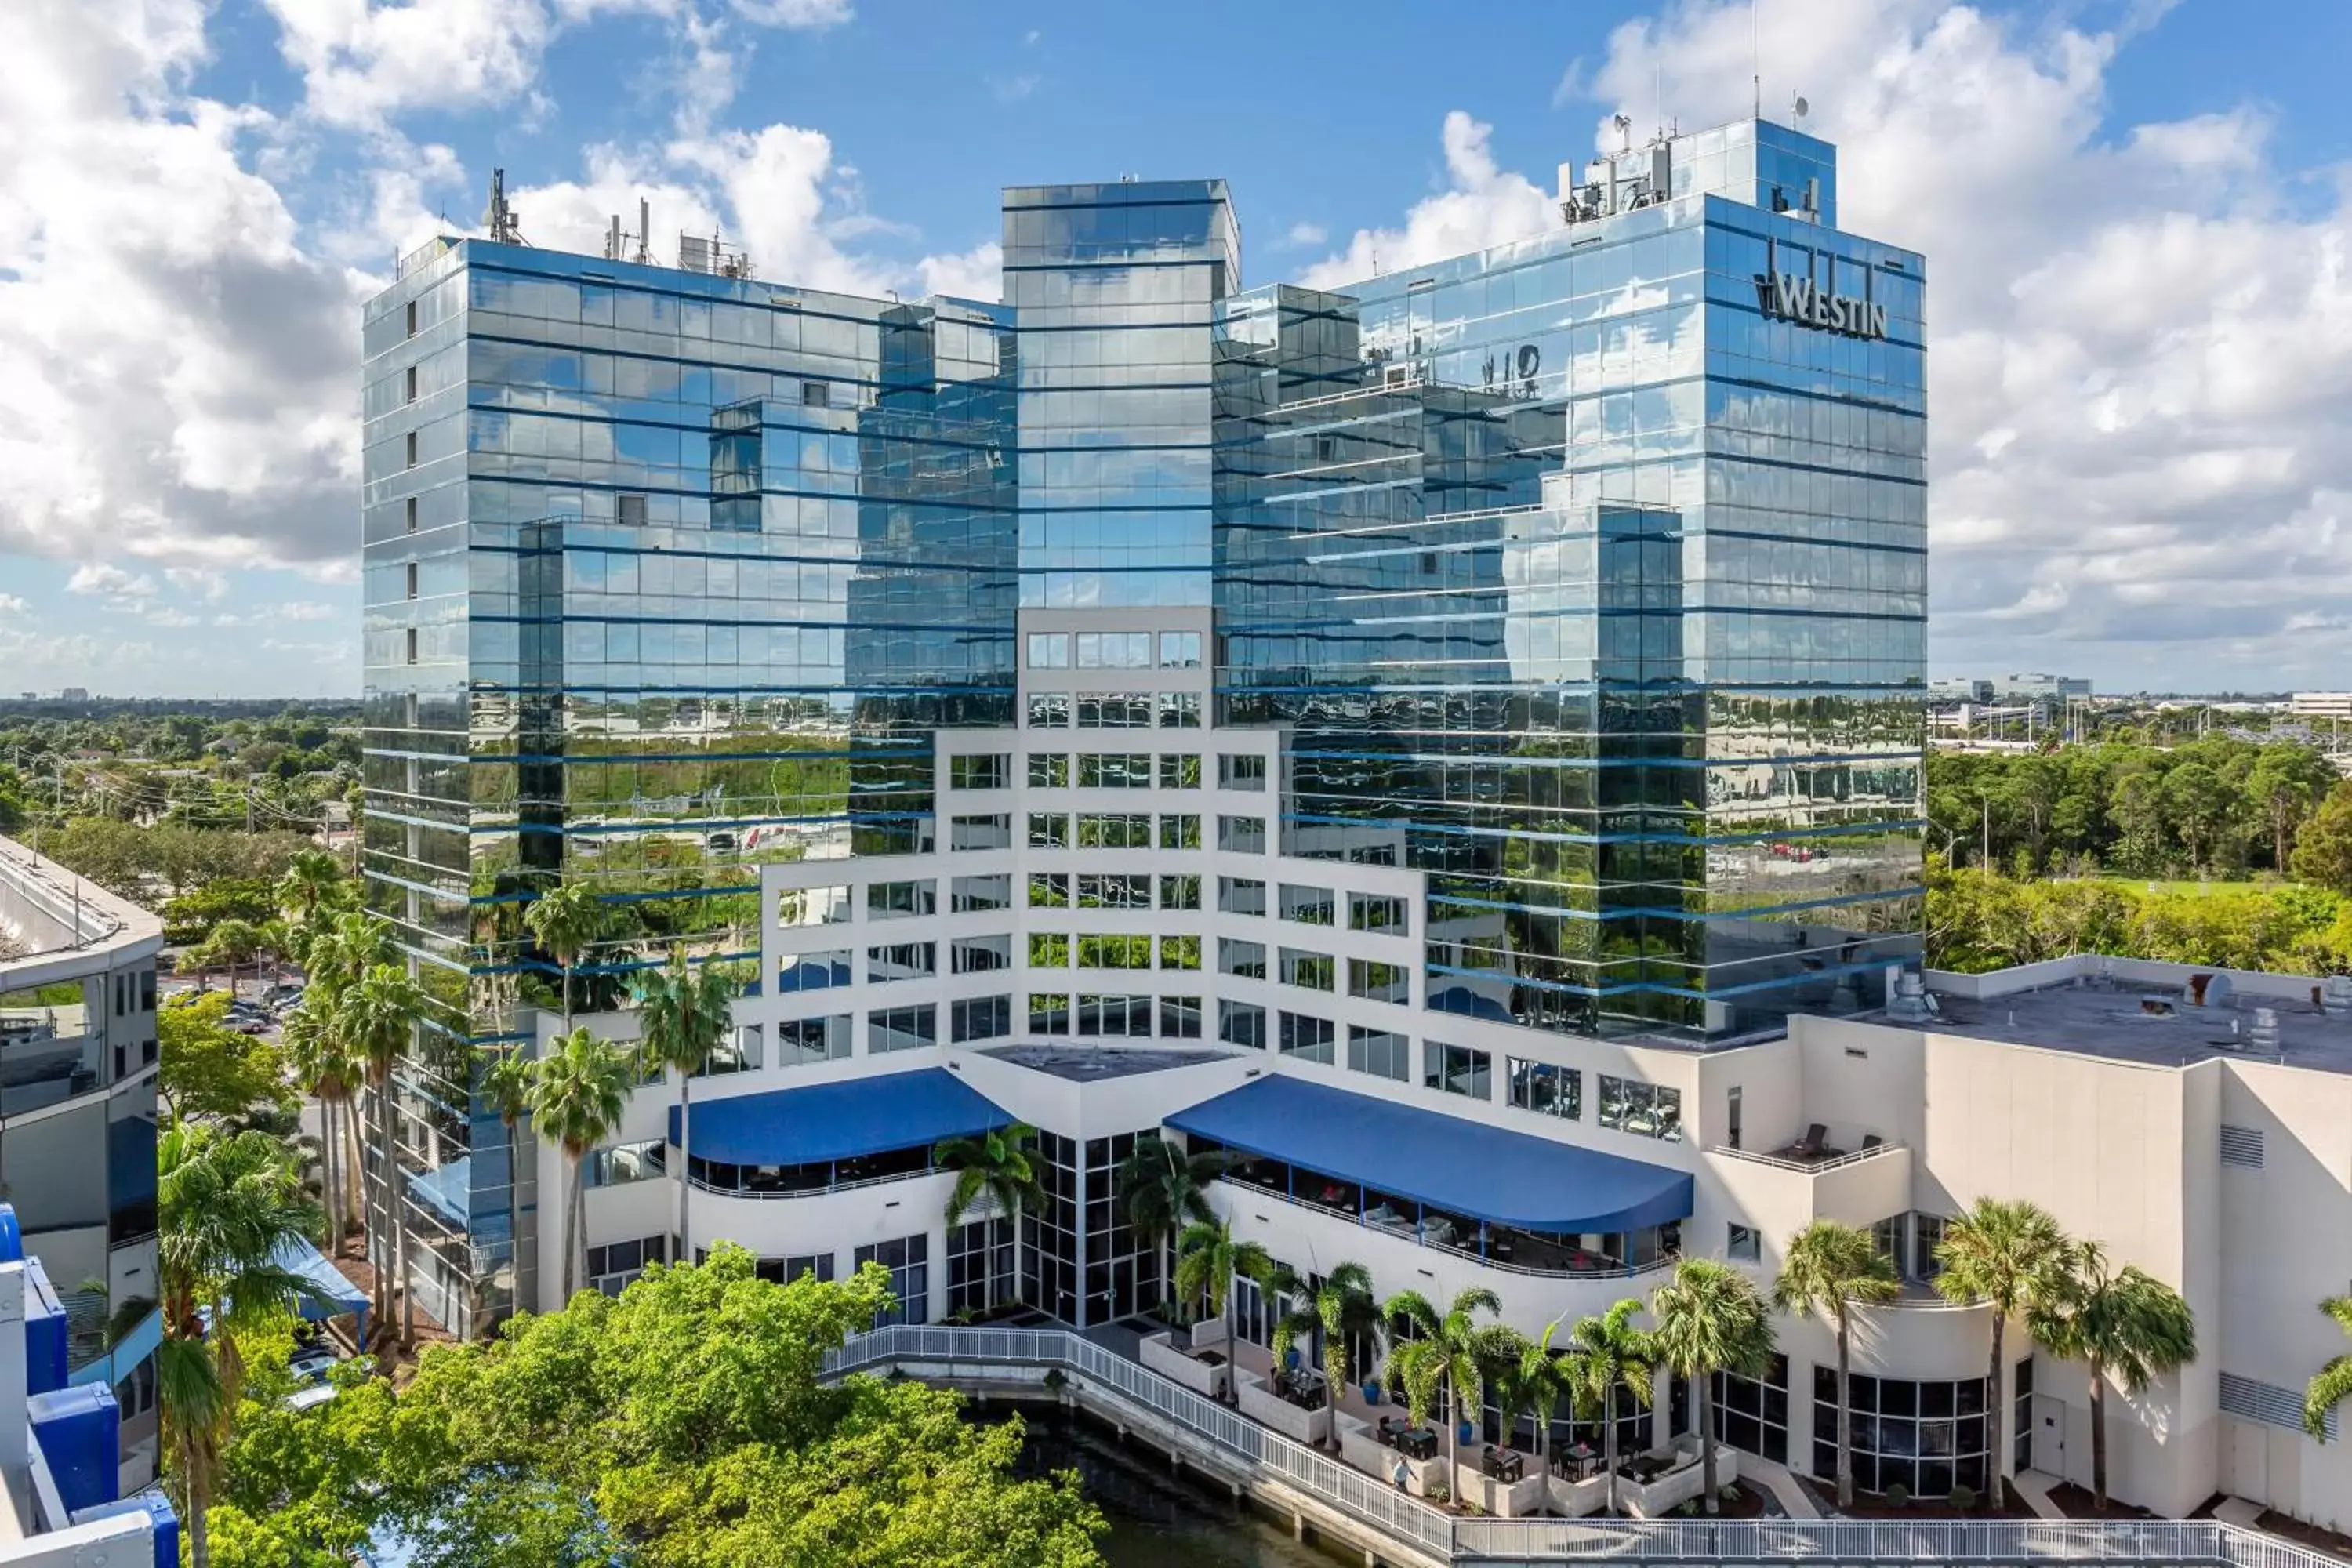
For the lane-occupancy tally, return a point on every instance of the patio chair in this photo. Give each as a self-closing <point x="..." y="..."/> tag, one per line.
<point x="1872" y="1140"/>
<point x="1815" y="1140"/>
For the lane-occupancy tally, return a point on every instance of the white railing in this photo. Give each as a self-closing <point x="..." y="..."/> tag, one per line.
<point x="1806" y="1167"/>
<point x="1402" y="1233"/>
<point x="1261" y="1454"/>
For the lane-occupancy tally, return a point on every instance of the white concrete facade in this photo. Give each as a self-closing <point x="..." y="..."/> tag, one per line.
<point x="2123" y="1151"/>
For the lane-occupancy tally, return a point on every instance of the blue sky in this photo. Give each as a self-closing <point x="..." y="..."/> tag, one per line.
<point x="2135" y="215"/>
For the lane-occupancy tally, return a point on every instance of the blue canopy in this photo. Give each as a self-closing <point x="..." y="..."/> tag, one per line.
<point x="839" y="1121"/>
<point x="297" y="1256"/>
<point x="1444" y="1162"/>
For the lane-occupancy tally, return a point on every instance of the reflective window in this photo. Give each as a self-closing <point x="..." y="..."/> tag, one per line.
<point x="1179" y="892"/>
<point x="991" y="771"/>
<point x="1546" y="1088"/>
<point x="1303" y="1035"/>
<point x="1049" y="650"/>
<point x="1241" y="896"/>
<point x="1379" y="1052"/>
<point x="1647" y="1109"/>
<point x="1456" y="1069"/>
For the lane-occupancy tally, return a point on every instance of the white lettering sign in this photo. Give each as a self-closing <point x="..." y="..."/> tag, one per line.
<point x="1794" y="299"/>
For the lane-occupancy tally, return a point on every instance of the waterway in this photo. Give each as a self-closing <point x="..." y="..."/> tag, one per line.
<point x="1160" y="1518"/>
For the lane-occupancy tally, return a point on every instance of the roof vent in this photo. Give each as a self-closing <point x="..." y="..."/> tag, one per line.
<point x="2335" y="996"/>
<point x="2265" y="1035"/>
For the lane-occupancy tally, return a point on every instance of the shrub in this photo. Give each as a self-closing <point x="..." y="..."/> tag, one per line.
<point x="1963" y="1498"/>
<point x="1728" y="1491"/>
<point x="1898" y="1496"/>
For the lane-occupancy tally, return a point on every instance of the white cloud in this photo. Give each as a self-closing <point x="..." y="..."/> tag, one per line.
<point x="806" y="13"/>
<point x="1480" y="205"/>
<point x="304" y="610"/>
<point x="1013" y="88"/>
<point x="13" y="604"/>
<point x="1304" y="236"/>
<point x="103" y="578"/>
<point x="362" y="62"/>
<point x="976" y="274"/>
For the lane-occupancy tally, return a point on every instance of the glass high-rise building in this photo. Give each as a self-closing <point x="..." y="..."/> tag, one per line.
<point x="1568" y="595"/>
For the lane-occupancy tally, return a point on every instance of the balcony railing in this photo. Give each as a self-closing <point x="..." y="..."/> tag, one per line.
<point x="1624" y="1271"/>
<point x="1805" y="1167"/>
<point x="1159" y="1405"/>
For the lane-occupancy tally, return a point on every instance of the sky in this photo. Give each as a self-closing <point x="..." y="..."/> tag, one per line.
<point x="2137" y="217"/>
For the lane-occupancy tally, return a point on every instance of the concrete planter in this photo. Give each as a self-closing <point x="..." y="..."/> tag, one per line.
<point x="1512" y="1499"/>
<point x="1162" y="1356"/>
<point x="1685" y="1482"/>
<point x="1262" y="1405"/>
<point x="1577" y="1499"/>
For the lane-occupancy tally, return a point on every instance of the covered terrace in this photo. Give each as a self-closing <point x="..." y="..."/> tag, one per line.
<point x="1512" y="1201"/>
<point x="794" y="1142"/>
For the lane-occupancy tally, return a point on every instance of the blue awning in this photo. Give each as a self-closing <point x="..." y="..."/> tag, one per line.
<point x="839" y="1121"/>
<point x="1444" y="1162"/>
<point x="297" y="1256"/>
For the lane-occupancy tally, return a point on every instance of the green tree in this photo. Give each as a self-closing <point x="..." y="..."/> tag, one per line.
<point x="1452" y="1351"/>
<point x="377" y="1017"/>
<point x="225" y="1202"/>
<point x="1336" y="1316"/>
<point x="566" y="921"/>
<point x="1160" y="1188"/>
<point x="506" y="1089"/>
<point x="312" y="890"/>
<point x="1606" y="1353"/>
<point x="1543" y="1383"/>
<point x="2007" y="1254"/>
<point x="208" y="1071"/>
<point x="2198" y="806"/>
<point x="1208" y="1261"/>
<point x="2332" y="1385"/>
<point x="684" y="1014"/>
<point x="578" y="1091"/>
<point x="2123" y="1322"/>
<point x="2282" y="787"/>
<point x="230" y="943"/>
<point x="1710" y="1318"/>
<point x="1829" y="1269"/>
<point x="2323" y="849"/>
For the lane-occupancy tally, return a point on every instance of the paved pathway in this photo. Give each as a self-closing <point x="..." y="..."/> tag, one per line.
<point x="2238" y="1510"/>
<point x="1776" y="1480"/>
<point x="2034" y="1485"/>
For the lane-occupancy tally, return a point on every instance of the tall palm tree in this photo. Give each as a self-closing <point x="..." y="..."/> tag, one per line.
<point x="378" y="1017"/>
<point x="1161" y="1189"/>
<point x="578" y="1091"/>
<point x="1542" y="1383"/>
<point x="1829" y="1269"/>
<point x="278" y="940"/>
<point x="683" y="1017"/>
<point x="329" y="1073"/>
<point x="2004" y="1253"/>
<point x="224" y="1203"/>
<point x="566" y="921"/>
<point x="311" y="889"/>
<point x="2126" y="1322"/>
<point x="506" y="1089"/>
<point x="1453" y="1351"/>
<point x="2333" y="1386"/>
<point x="1606" y="1353"/>
<point x="1000" y="1163"/>
<point x="1337" y="1315"/>
<point x="1711" y="1318"/>
<point x="1208" y="1261"/>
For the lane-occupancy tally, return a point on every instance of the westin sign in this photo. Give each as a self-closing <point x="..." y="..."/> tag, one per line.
<point x="1795" y="299"/>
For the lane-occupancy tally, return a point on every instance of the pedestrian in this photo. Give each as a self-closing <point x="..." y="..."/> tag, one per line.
<point x="1400" y="1474"/>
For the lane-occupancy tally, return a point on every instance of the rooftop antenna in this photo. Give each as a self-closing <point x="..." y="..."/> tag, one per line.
<point x="645" y="232"/>
<point x="1756" y="51"/>
<point x="1624" y="124"/>
<point x="1800" y="106"/>
<point x="500" y="218"/>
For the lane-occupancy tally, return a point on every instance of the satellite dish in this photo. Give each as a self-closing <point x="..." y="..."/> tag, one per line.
<point x="1803" y="107"/>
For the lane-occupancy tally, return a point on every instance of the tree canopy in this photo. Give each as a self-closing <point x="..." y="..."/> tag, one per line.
<point x="681" y="1426"/>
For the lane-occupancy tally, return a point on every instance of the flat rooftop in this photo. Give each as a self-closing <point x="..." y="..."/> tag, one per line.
<point x="1091" y="1064"/>
<point x="2142" y="1012"/>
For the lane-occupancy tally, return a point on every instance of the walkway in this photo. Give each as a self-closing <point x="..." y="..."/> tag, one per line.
<point x="1776" y="1480"/>
<point x="2034" y="1485"/>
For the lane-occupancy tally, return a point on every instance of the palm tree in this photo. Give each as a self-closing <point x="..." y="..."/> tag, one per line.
<point x="278" y="940"/>
<point x="1161" y="1189"/>
<point x="2002" y="1253"/>
<point x="578" y="1091"/>
<point x="2333" y="1386"/>
<point x="1455" y="1351"/>
<point x="1604" y="1354"/>
<point x="225" y="1202"/>
<point x="1208" y="1260"/>
<point x="1338" y="1313"/>
<point x="1000" y="1163"/>
<point x="1830" y="1269"/>
<point x="565" y="920"/>
<point x="1711" y="1318"/>
<point x="2126" y="1322"/>
<point x="377" y="1016"/>
<point x="312" y="888"/>
<point x="683" y="1017"/>
<point x="1542" y="1383"/>
<point x="329" y="1073"/>
<point x="505" y="1089"/>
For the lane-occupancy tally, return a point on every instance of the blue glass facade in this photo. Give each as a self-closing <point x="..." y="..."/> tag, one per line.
<point x="1584" y="575"/>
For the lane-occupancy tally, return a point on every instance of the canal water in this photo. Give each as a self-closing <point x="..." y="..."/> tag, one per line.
<point x="1160" y="1518"/>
